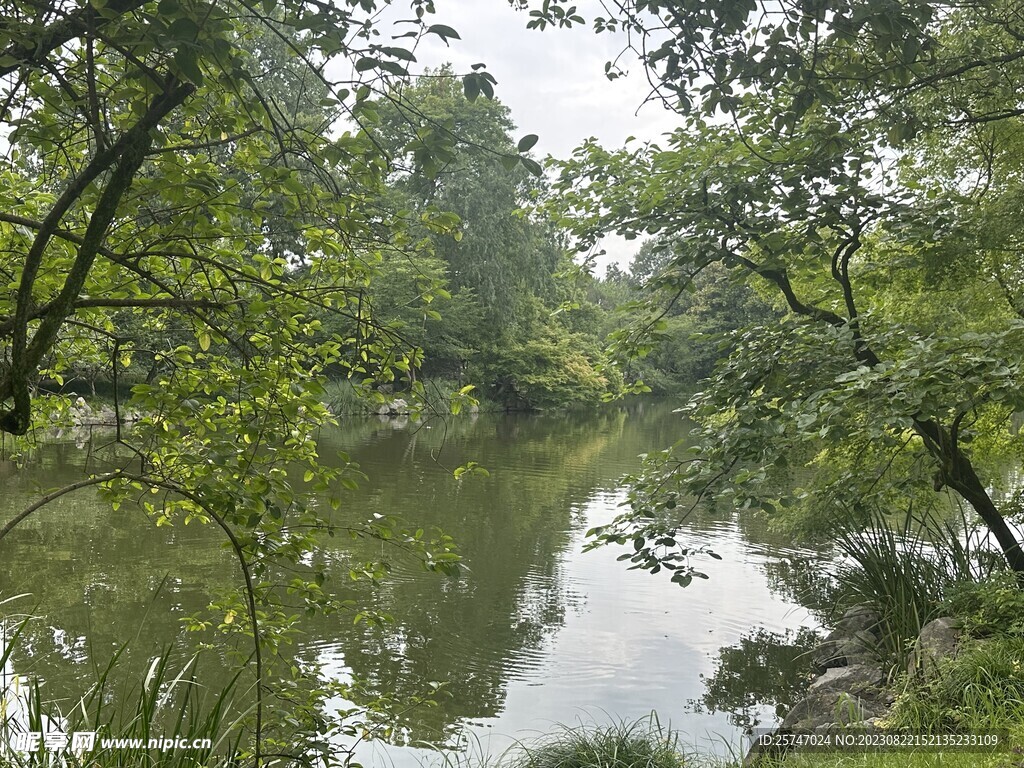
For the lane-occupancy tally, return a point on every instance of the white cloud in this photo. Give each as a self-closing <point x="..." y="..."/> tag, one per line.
<point x="553" y="82"/>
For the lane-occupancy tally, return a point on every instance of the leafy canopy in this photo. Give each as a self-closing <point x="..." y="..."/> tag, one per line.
<point x="190" y="187"/>
<point x="839" y="155"/>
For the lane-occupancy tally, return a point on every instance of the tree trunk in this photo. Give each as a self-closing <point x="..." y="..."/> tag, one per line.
<point x="965" y="481"/>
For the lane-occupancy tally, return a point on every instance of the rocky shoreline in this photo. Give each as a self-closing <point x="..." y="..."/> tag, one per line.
<point x="851" y="690"/>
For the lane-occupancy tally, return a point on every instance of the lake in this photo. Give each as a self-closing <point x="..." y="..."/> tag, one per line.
<point x="534" y="633"/>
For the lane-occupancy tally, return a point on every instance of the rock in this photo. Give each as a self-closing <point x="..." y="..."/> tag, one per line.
<point x="871" y="725"/>
<point x="826" y="654"/>
<point x="841" y="696"/>
<point x="841" y="648"/>
<point x="937" y="642"/>
<point x="858" y="679"/>
<point x="384" y="409"/>
<point x="860" y="648"/>
<point x="398" y="405"/>
<point x="826" y="707"/>
<point x="860" y="618"/>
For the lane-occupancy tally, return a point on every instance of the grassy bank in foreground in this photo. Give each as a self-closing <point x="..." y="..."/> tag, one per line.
<point x="644" y="744"/>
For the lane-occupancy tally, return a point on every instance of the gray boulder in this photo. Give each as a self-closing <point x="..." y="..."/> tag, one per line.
<point x="860" y="618"/>
<point x="826" y="655"/>
<point x="827" y="708"/>
<point x="841" y="648"/>
<point x="938" y="641"/>
<point x="858" y="679"/>
<point x="861" y="647"/>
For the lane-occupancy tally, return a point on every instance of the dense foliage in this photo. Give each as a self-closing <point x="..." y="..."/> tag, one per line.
<point x="482" y="307"/>
<point x="865" y="156"/>
<point x="191" y="188"/>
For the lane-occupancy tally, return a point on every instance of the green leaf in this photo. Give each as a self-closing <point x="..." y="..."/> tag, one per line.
<point x="528" y="142"/>
<point x="183" y="29"/>
<point x="443" y="31"/>
<point x="532" y="166"/>
<point x="188" y="64"/>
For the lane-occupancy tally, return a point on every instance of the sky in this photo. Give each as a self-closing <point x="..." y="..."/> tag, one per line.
<point x="553" y="82"/>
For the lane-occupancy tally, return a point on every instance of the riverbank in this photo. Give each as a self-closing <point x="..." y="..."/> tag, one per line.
<point x="962" y="679"/>
<point x="646" y="744"/>
<point x="346" y="398"/>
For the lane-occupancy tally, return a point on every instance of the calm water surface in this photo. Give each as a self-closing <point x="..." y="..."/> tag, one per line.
<point x="534" y="633"/>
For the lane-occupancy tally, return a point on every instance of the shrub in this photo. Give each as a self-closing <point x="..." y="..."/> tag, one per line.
<point x="991" y="606"/>
<point x="981" y="688"/>
<point x="905" y="572"/>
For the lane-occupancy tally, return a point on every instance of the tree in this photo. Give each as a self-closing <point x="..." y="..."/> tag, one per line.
<point x="797" y="168"/>
<point x="494" y="325"/>
<point x="167" y="167"/>
<point x="692" y="328"/>
<point x="499" y="254"/>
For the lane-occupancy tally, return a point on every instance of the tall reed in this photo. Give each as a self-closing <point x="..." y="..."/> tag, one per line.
<point x="168" y="703"/>
<point x="905" y="568"/>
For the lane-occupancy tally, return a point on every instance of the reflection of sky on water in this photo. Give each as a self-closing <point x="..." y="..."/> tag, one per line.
<point x="632" y="643"/>
<point x="536" y="633"/>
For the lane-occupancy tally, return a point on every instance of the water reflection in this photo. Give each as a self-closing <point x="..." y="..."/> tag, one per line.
<point x="534" y="632"/>
<point x="764" y="672"/>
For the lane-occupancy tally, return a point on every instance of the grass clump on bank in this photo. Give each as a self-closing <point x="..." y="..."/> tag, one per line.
<point x="893" y="760"/>
<point x="345" y="397"/>
<point x="982" y="686"/>
<point x="905" y="571"/>
<point x="133" y="720"/>
<point x="637" y="744"/>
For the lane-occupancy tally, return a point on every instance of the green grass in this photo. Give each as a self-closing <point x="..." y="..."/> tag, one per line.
<point x="905" y="572"/>
<point x="346" y="398"/>
<point x="168" y="702"/>
<point x="897" y="760"/>
<point x="616" y="746"/>
<point x="981" y="688"/>
<point x="641" y="743"/>
<point x="645" y="744"/>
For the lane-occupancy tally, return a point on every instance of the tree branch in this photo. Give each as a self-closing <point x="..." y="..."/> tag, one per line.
<point x="57" y="34"/>
<point x="52" y="496"/>
<point x="126" y="155"/>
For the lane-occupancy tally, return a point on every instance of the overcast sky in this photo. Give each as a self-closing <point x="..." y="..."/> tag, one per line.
<point x="553" y="82"/>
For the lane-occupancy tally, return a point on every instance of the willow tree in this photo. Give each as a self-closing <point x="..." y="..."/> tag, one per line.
<point x="835" y="153"/>
<point x="166" y="168"/>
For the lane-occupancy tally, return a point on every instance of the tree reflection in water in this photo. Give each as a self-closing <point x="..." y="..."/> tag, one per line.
<point x="764" y="670"/>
